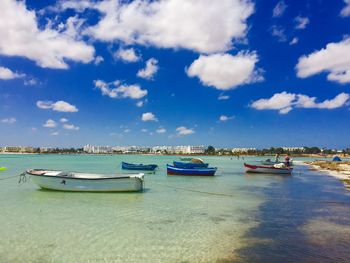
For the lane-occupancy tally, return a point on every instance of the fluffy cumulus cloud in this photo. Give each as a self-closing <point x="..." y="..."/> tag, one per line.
<point x="346" y="10"/>
<point x="70" y="127"/>
<point x="148" y="116"/>
<point x="50" y="124"/>
<point x="6" y="73"/>
<point x="332" y="59"/>
<point x="225" y="71"/>
<point x="150" y="70"/>
<point x="60" y="105"/>
<point x="301" y="22"/>
<point x="127" y="55"/>
<point x="279" y="9"/>
<point x="205" y="26"/>
<point x="119" y="90"/>
<point x="284" y="102"/>
<point x="63" y="120"/>
<point x="182" y="131"/>
<point x="9" y="120"/>
<point x="48" y="47"/>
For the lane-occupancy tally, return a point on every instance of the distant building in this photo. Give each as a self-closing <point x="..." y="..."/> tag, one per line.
<point x="293" y="149"/>
<point x="242" y="150"/>
<point x="97" y="149"/>
<point x="12" y="149"/>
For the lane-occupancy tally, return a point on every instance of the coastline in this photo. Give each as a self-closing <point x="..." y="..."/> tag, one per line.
<point x="339" y="170"/>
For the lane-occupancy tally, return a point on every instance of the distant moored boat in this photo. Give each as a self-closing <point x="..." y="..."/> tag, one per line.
<point x="143" y="167"/>
<point x="172" y="170"/>
<point x="86" y="182"/>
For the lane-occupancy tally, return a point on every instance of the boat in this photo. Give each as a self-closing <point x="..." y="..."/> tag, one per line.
<point x="172" y="170"/>
<point x="269" y="162"/>
<point x="190" y="165"/>
<point x="86" y="182"/>
<point x="185" y="158"/>
<point x="143" y="167"/>
<point x="3" y="169"/>
<point x="268" y="169"/>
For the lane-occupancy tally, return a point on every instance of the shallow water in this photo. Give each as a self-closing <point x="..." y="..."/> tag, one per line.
<point x="227" y="218"/>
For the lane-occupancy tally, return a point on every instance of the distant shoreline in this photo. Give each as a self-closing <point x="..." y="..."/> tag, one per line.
<point x="184" y="155"/>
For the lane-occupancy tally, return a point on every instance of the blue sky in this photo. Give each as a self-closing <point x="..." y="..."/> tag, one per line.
<point x="234" y="73"/>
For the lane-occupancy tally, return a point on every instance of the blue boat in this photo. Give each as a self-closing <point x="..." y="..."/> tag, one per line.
<point x="172" y="170"/>
<point x="143" y="167"/>
<point x="190" y="165"/>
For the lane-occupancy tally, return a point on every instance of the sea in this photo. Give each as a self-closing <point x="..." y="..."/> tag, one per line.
<point x="231" y="217"/>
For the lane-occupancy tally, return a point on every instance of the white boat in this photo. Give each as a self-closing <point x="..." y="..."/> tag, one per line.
<point x="86" y="182"/>
<point x="274" y="169"/>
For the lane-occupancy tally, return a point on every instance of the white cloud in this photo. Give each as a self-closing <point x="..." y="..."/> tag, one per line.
<point x="98" y="60"/>
<point x="126" y="130"/>
<point x="150" y="70"/>
<point x="346" y="10"/>
<point x="54" y="133"/>
<point x="144" y="130"/>
<point x="284" y="102"/>
<point x="127" y="55"/>
<point x="161" y="130"/>
<point x="63" y="120"/>
<point x="225" y="71"/>
<point x="6" y="73"/>
<point x="279" y="9"/>
<point x="182" y="130"/>
<point x="20" y="35"/>
<point x="278" y="32"/>
<point x="9" y="120"/>
<point x="301" y="22"/>
<point x="31" y="82"/>
<point x="60" y="105"/>
<point x="70" y="127"/>
<point x="205" y="26"/>
<point x="50" y="124"/>
<point x="294" y="41"/>
<point x="148" y="116"/>
<point x="224" y="118"/>
<point x="223" y="97"/>
<point x="140" y="103"/>
<point x="120" y="91"/>
<point x="332" y="59"/>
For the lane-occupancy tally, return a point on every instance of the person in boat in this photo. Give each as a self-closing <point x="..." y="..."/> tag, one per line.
<point x="287" y="160"/>
<point x="277" y="156"/>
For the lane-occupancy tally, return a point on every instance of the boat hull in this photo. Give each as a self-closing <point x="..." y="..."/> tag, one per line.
<point x="139" y="167"/>
<point x="266" y="169"/>
<point x="172" y="170"/>
<point x="108" y="184"/>
<point x="190" y="165"/>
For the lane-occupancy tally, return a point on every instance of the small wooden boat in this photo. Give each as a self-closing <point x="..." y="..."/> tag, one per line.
<point x="172" y="170"/>
<point x="86" y="182"/>
<point x="273" y="169"/>
<point x="143" y="167"/>
<point x="190" y="165"/>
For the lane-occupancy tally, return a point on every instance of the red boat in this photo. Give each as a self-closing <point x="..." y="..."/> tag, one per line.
<point x="274" y="169"/>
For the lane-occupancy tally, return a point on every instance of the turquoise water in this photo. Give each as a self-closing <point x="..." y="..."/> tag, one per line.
<point x="227" y="218"/>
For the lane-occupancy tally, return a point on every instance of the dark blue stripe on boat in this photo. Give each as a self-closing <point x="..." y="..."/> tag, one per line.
<point x="144" y="167"/>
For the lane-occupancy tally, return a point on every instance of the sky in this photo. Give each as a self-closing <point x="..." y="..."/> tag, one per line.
<point x="228" y="73"/>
